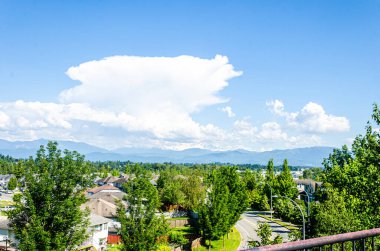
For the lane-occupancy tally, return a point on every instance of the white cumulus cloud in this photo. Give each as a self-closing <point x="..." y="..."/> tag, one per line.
<point x="146" y="100"/>
<point x="228" y="110"/>
<point x="311" y="118"/>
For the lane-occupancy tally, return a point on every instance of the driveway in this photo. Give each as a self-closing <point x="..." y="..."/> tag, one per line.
<point x="248" y="225"/>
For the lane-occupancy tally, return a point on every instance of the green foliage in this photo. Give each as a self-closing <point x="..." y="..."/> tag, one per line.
<point x="177" y="238"/>
<point x="194" y="191"/>
<point x="351" y="189"/>
<point x="47" y="215"/>
<point x="285" y="184"/>
<point x="140" y="227"/>
<point x="295" y="235"/>
<point x="314" y="173"/>
<point x="225" y="203"/>
<point x="287" y="211"/>
<point x="115" y="172"/>
<point x="333" y="216"/>
<point x="12" y="184"/>
<point x="258" y="200"/>
<point x="269" y="174"/>
<point x="265" y="233"/>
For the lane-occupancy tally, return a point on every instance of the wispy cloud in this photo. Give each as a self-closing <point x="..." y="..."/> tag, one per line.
<point x="228" y="110"/>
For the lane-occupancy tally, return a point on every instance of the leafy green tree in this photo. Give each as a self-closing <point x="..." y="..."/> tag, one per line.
<point x="287" y="211"/>
<point x="115" y="172"/>
<point x="269" y="174"/>
<point x="264" y="231"/>
<point x="314" y="173"/>
<point x="254" y="183"/>
<point x="194" y="192"/>
<point x="140" y="227"/>
<point x="213" y="213"/>
<point x="225" y="203"/>
<point x="333" y="216"/>
<point x="47" y="215"/>
<point x="285" y="184"/>
<point x="354" y="179"/>
<point x="12" y="184"/>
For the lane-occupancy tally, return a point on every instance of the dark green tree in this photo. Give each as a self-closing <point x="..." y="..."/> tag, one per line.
<point x="140" y="227"/>
<point x="12" y="184"/>
<point x="47" y="215"/>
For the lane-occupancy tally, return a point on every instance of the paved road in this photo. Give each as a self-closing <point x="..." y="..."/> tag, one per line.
<point x="248" y="225"/>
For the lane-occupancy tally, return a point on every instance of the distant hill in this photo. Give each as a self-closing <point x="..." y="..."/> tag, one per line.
<point x="311" y="156"/>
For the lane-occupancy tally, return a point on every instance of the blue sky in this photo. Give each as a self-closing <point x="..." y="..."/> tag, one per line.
<point x="304" y="73"/>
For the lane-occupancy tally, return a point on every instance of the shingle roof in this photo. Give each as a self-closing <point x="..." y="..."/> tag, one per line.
<point x="101" y="188"/>
<point x="97" y="220"/>
<point x="109" y="179"/>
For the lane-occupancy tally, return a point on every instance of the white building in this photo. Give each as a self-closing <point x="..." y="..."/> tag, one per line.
<point x="98" y="234"/>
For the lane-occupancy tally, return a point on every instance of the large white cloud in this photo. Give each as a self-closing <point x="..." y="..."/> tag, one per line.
<point x="150" y="99"/>
<point x="311" y="118"/>
<point x="130" y="101"/>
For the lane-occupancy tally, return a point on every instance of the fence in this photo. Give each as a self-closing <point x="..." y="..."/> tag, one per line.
<point x="356" y="241"/>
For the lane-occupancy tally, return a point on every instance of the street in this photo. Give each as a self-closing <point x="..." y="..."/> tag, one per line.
<point x="248" y="225"/>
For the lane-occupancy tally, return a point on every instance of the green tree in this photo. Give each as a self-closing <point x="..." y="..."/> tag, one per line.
<point x="333" y="216"/>
<point x="194" y="192"/>
<point x="47" y="215"/>
<point x="12" y="184"/>
<point x="226" y="201"/>
<point x="140" y="227"/>
<point x="354" y="179"/>
<point x="264" y="231"/>
<point x="285" y="184"/>
<point x="213" y="213"/>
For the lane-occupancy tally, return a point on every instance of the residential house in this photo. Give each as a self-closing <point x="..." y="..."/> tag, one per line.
<point x="107" y="181"/>
<point x="98" y="231"/>
<point x="307" y="187"/>
<point x="119" y="182"/>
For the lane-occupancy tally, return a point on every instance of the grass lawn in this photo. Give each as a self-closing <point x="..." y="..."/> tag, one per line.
<point x="287" y="225"/>
<point x="113" y="248"/>
<point x="178" y="218"/>
<point x="184" y="230"/>
<point x="230" y="244"/>
<point x="4" y="203"/>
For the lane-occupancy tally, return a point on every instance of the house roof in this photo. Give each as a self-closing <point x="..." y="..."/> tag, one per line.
<point x="102" y="188"/>
<point x="108" y="196"/>
<point x="109" y="179"/>
<point x="121" y="181"/>
<point x="97" y="220"/>
<point x="101" y="207"/>
<point x="6" y="176"/>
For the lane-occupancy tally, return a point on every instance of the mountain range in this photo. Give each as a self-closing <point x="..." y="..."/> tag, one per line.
<point x="309" y="157"/>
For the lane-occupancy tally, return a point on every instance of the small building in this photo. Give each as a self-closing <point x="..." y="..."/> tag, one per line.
<point x="98" y="231"/>
<point x="119" y="182"/>
<point x="107" y="181"/>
